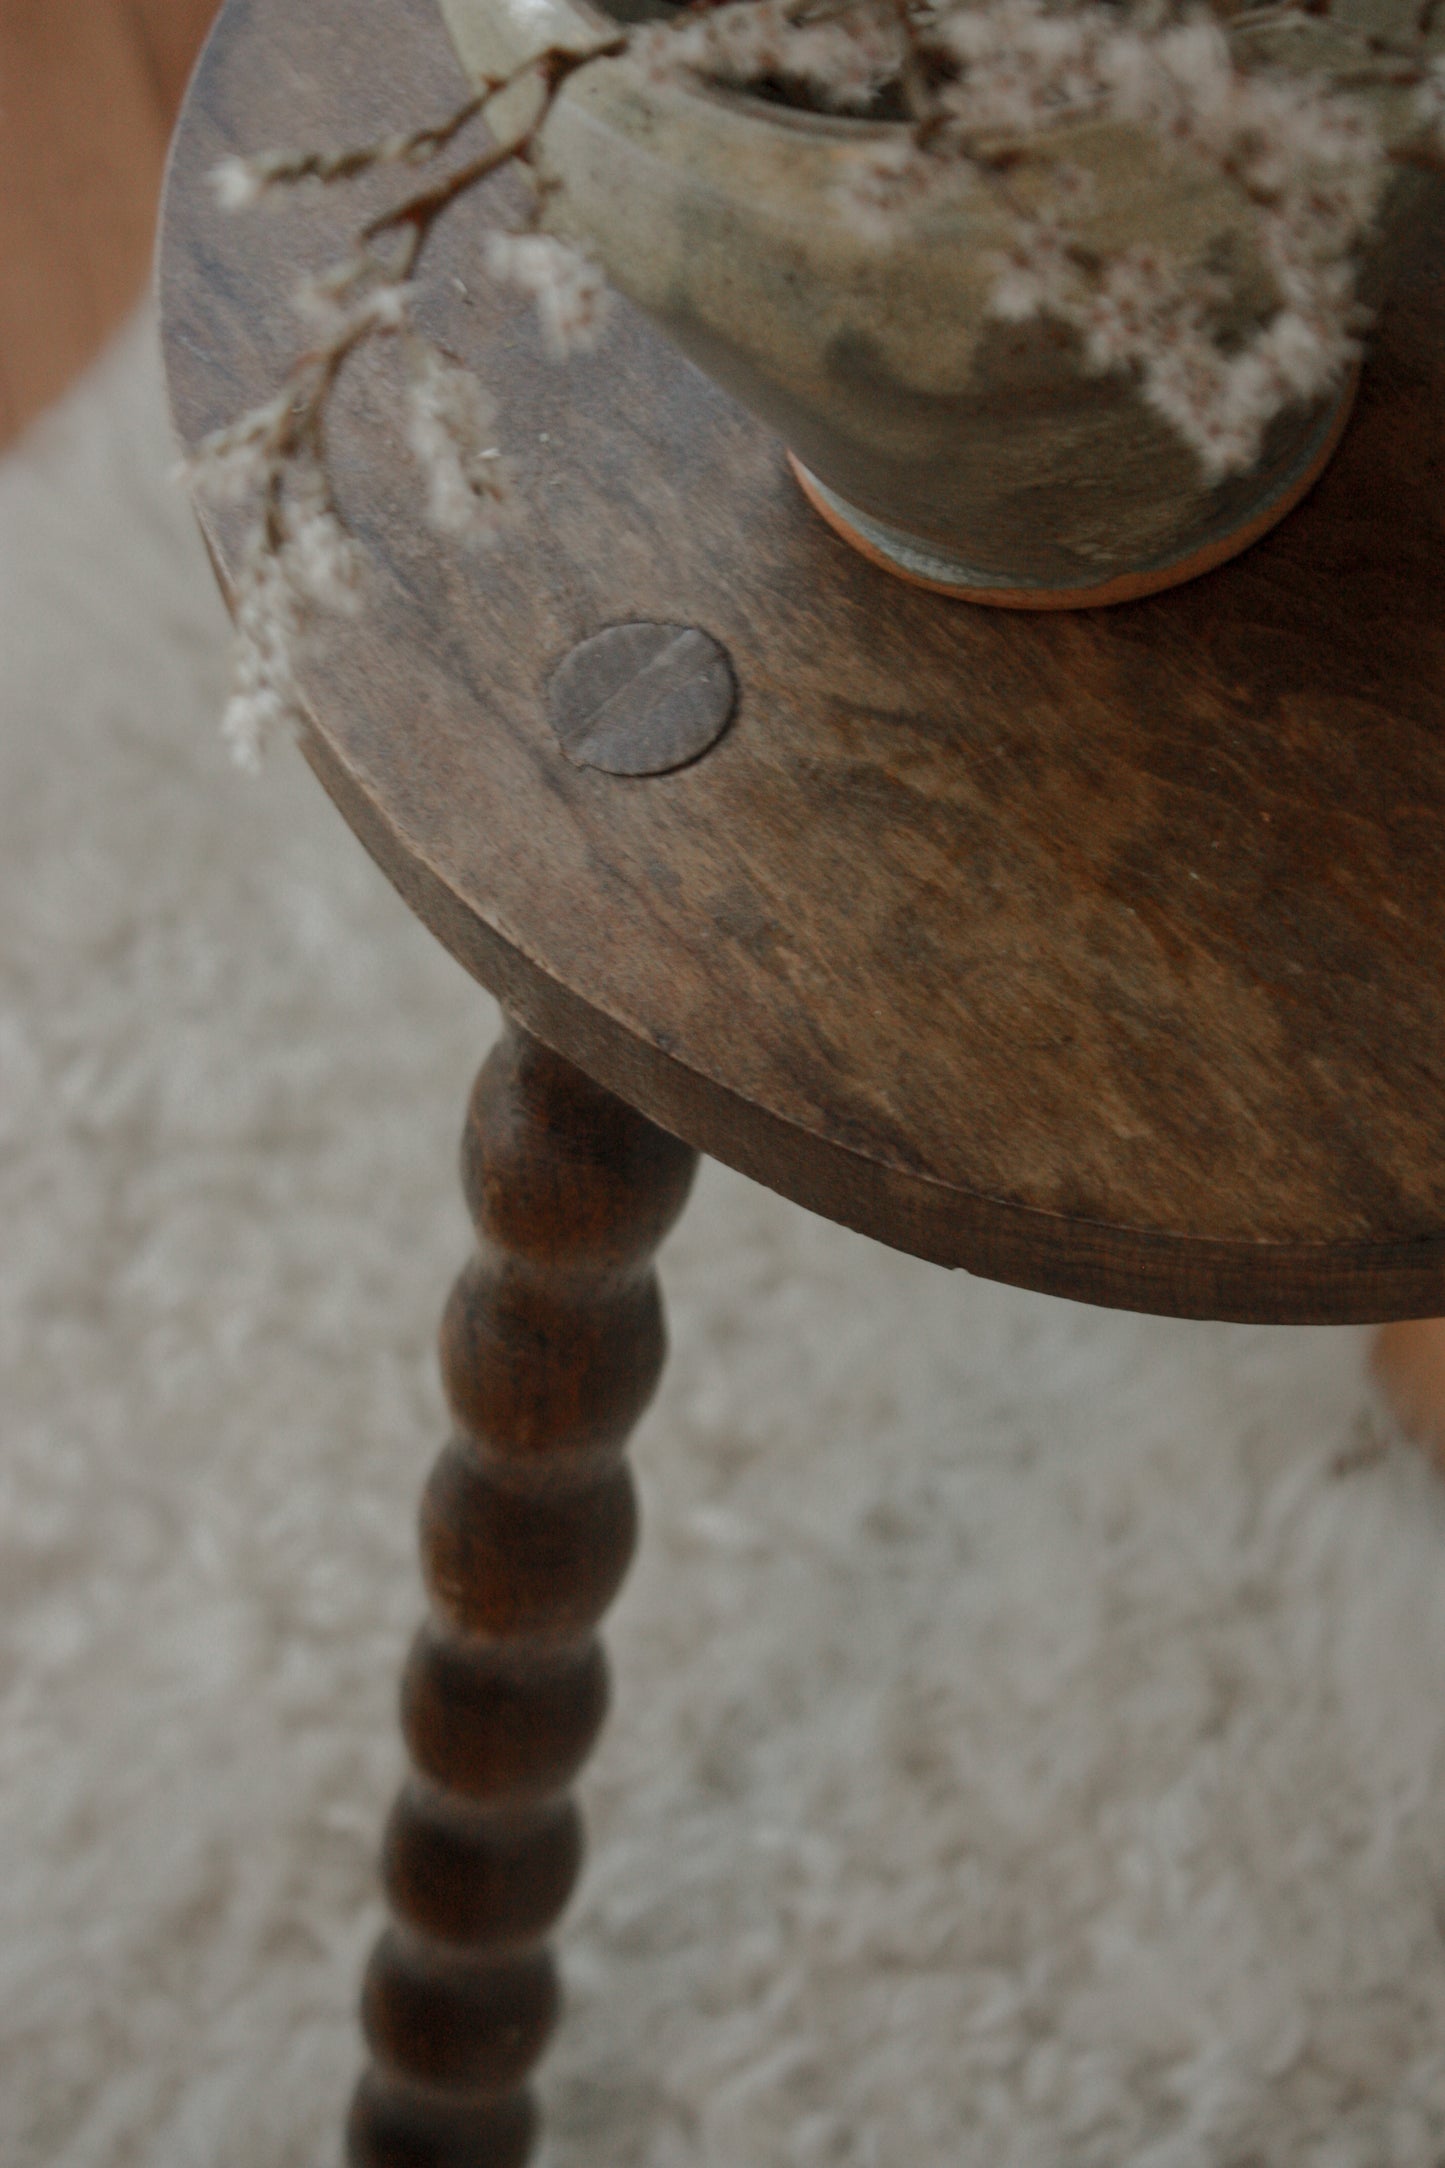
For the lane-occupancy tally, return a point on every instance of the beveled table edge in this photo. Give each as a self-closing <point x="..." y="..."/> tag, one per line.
<point x="1083" y="1261"/>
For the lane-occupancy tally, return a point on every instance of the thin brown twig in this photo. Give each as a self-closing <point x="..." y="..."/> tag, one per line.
<point x="314" y="374"/>
<point x="421" y="211"/>
<point x="415" y="148"/>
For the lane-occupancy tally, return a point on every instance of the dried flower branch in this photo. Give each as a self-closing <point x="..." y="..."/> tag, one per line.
<point x="571" y="293"/>
<point x="238" y="183"/>
<point x="449" y="422"/>
<point x="1301" y="155"/>
<point x="984" y="88"/>
<point x="299" y="559"/>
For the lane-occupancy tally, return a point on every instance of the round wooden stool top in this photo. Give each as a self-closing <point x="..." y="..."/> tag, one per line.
<point x="1104" y="953"/>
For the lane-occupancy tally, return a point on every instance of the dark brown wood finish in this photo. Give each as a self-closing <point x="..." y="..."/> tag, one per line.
<point x="551" y="1348"/>
<point x="1103" y="953"/>
<point x="640" y="699"/>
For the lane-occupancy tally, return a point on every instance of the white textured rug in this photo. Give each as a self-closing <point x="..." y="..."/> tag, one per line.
<point x="1028" y="1746"/>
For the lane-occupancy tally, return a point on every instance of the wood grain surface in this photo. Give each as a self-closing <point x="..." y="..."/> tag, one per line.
<point x="1100" y="953"/>
<point x="552" y="1346"/>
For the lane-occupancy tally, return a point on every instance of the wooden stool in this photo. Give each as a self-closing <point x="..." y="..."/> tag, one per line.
<point x="1101" y="953"/>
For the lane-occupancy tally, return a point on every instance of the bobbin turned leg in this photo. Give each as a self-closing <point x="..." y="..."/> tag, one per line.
<point x="551" y="1347"/>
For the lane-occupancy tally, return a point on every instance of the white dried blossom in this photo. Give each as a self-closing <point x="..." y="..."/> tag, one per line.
<point x="299" y="562"/>
<point x="239" y="183"/>
<point x="350" y="301"/>
<point x="847" y="60"/>
<point x="570" y="290"/>
<point x="325" y="563"/>
<point x="1186" y="384"/>
<point x="843" y="56"/>
<point x="270" y="619"/>
<point x="449" y="426"/>
<point x="1022" y="69"/>
<point x="1303" y="354"/>
<point x="235" y="461"/>
<point x="883" y="182"/>
<point x="322" y="296"/>
<point x="1128" y="74"/>
<point x="1188" y="88"/>
<point x="1306" y="163"/>
<point x="1142" y="311"/>
<point x="1134" y="304"/>
<point x="1037" y="274"/>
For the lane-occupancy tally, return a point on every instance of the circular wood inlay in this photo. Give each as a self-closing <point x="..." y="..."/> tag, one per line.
<point x="640" y="699"/>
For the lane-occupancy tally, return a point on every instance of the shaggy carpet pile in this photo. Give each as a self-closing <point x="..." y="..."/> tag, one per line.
<point x="1029" y="1726"/>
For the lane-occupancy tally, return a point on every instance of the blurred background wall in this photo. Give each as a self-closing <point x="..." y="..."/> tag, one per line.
<point x="89" y="91"/>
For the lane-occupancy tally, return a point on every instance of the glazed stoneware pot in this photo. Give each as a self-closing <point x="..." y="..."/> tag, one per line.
<point x="971" y="454"/>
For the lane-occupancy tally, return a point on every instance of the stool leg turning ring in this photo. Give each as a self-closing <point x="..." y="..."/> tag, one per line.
<point x="552" y="1346"/>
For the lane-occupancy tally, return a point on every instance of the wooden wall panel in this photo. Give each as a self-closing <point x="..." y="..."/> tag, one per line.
<point x="91" y="89"/>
